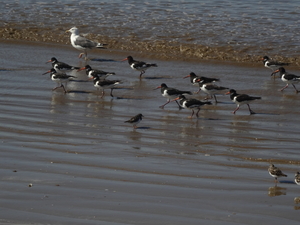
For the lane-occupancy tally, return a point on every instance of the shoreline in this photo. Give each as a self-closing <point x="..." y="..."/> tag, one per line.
<point x="158" y="49"/>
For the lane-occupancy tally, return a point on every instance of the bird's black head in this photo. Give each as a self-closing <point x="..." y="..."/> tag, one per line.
<point x="265" y="58"/>
<point x="192" y="74"/>
<point x="88" y="67"/>
<point x="53" y="60"/>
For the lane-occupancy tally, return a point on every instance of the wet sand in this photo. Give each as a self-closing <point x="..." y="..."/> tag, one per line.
<point x="87" y="166"/>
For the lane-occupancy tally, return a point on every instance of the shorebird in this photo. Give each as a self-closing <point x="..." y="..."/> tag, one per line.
<point x="297" y="178"/>
<point x="241" y="99"/>
<point x="82" y="43"/>
<point x="135" y="120"/>
<point x="212" y="90"/>
<point x="288" y="78"/>
<point x="59" y="78"/>
<point x="196" y="80"/>
<point x="275" y="172"/>
<point x="61" y="66"/>
<point x="94" y="72"/>
<point x="191" y="104"/>
<point x="105" y="84"/>
<point x="171" y="93"/>
<point x="271" y="64"/>
<point x="139" y="65"/>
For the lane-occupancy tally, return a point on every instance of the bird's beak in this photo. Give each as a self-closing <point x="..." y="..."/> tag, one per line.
<point x="49" y="61"/>
<point x="227" y="93"/>
<point x="276" y="71"/>
<point x="157" y="87"/>
<point x="124" y="59"/>
<point x="67" y="31"/>
<point x="83" y="68"/>
<point x="175" y="99"/>
<point x="47" y="72"/>
<point x="187" y="76"/>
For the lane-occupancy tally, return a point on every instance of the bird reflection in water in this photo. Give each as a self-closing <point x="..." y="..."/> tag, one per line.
<point x="276" y="191"/>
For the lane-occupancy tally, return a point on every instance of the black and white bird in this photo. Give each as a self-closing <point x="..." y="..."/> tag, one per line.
<point x="288" y="78"/>
<point x="135" y="120"/>
<point x="105" y="84"/>
<point x="171" y="93"/>
<point x="197" y="80"/>
<point x="241" y="99"/>
<point x="297" y="178"/>
<point x="81" y="43"/>
<point x="192" y="104"/>
<point x="61" y="66"/>
<point x="95" y="72"/>
<point x="60" y="78"/>
<point x="275" y="172"/>
<point x="139" y="65"/>
<point x="212" y="90"/>
<point x="271" y="64"/>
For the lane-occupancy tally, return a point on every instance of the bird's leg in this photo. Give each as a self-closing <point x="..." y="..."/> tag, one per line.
<point x="192" y="114"/>
<point x="198" y="91"/>
<point x="142" y="72"/>
<point x="216" y="101"/>
<point x="284" y="87"/>
<point x="80" y="55"/>
<point x="86" y="55"/>
<point x="179" y="105"/>
<point x="251" y="112"/>
<point x="63" y="88"/>
<point x="102" y="94"/>
<point x="295" y="88"/>
<point x="162" y="106"/>
<point x="111" y="90"/>
<point x="237" y="108"/>
<point x="197" y="114"/>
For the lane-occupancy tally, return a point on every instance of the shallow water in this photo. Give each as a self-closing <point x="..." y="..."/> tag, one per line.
<point x="87" y="166"/>
<point x="215" y="29"/>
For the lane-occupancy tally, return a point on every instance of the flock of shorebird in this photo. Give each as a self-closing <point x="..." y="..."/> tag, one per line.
<point x="205" y="84"/>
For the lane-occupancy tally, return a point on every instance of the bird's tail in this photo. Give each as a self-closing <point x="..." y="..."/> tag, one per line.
<point x="151" y="64"/>
<point x="253" y="98"/>
<point x="187" y="92"/>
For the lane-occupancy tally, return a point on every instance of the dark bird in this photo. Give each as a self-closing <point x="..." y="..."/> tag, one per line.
<point x="275" y="172"/>
<point x="191" y="104"/>
<point x="105" y="84"/>
<point x="171" y="93"/>
<point x="297" y="178"/>
<point x="139" y="65"/>
<point x="82" y="43"/>
<point x="61" y="66"/>
<point x="288" y="78"/>
<point x="271" y="64"/>
<point x="59" y="78"/>
<point x="94" y="72"/>
<point x="212" y="90"/>
<point x="135" y="120"/>
<point x="197" y="81"/>
<point x="241" y="99"/>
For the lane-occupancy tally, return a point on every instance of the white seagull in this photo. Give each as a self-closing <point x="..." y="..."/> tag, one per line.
<point x="82" y="43"/>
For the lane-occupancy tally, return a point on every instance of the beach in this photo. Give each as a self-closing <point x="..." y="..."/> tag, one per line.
<point x="70" y="158"/>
